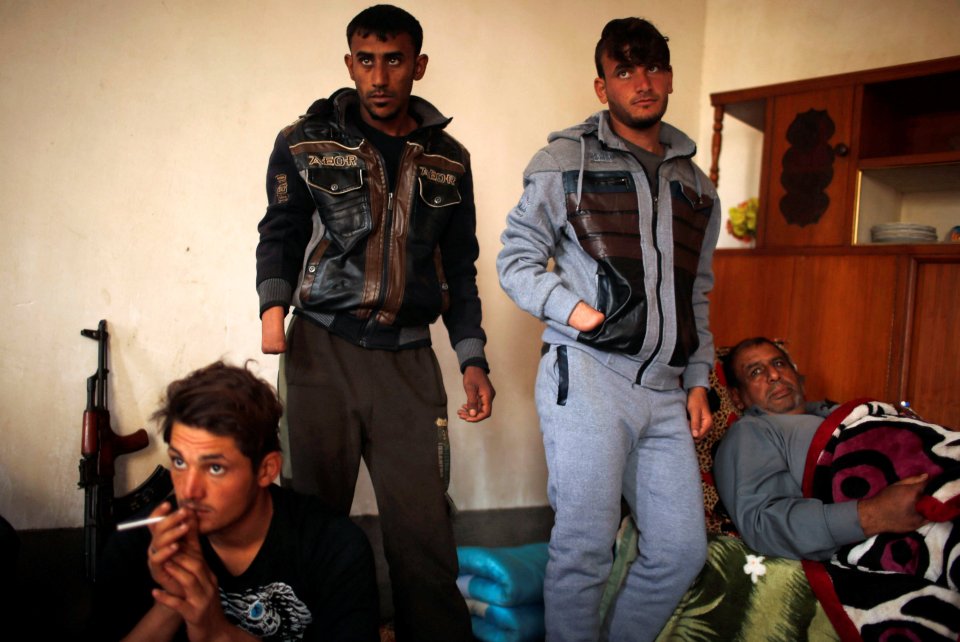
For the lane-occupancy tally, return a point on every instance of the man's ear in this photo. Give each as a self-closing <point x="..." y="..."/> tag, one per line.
<point x="348" y="61"/>
<point x="421" y="66"/>
<point x="269" y="468"/>
<point x="736" y="398"/>
<point x="600" y="86"/>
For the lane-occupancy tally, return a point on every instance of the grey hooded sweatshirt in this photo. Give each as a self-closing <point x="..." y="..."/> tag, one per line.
<point x="643" y="259"/>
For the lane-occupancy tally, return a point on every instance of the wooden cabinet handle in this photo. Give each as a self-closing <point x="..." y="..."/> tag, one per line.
<point x="841" y="150"/>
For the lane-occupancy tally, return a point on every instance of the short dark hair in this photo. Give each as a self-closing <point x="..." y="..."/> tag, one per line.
<point x="729" y="367"/>
<point x="386" y="21"/>
<point x="227" y="401"/>
<point x="632" y="40"/>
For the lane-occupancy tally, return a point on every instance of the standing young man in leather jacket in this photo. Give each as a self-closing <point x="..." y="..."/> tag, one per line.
<point x="370" y="236"/>
<point x="631" y="224"/>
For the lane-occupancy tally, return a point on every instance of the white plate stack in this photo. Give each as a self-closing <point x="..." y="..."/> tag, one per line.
<point x="903" y="233"/>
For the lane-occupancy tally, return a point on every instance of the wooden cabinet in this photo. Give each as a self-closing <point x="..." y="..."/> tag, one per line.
<point x="862" y="319"/>
<point x="932" y="362"/>
<point x="892" y="132"/>
<point x="840" y="332"/>
<point x="807" y="195"/>
<point x="864" y="322"/>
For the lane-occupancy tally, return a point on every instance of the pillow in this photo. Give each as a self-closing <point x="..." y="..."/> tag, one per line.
<point x="724" y="414"/>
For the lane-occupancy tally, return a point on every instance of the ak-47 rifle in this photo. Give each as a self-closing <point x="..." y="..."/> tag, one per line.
<point x="99" y="447"/>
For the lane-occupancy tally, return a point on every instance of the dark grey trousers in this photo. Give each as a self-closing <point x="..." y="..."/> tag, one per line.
<point x="342" y="402"/>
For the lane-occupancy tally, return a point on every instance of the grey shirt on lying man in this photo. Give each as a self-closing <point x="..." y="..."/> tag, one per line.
<point x="759" y="473"/>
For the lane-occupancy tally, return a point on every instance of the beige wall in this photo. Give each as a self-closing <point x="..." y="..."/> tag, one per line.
<point x="135" y="139"/>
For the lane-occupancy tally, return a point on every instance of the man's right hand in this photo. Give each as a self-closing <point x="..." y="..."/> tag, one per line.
<point x="168" y="540"/>
<point x="273" y="340"/>
<point x="893" y="509"/>
<point x="585" y="318"/>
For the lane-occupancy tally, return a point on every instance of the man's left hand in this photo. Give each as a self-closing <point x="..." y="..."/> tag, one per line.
<point x="698" y="408"/>
<point x="893" y="509"/>
<point x="200" y="605"/>
<point x="480" y="394"/>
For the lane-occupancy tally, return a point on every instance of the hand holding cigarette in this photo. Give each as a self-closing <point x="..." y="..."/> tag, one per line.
<point x="170" y="532"/>
<point x="187" y="585"/>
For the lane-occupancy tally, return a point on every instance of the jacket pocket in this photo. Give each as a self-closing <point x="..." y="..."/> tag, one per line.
<point x="437" y="199"/>
<point x="342" y="202"/>
<point x="624" y="307"/>
<point x="439" y="191"/>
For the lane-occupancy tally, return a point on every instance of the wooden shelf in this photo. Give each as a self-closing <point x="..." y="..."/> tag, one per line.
<point x="883" y="74"/>
<point x="913" y="178"/>
<point x="920" y="251"/>
<point x="911" y="160"/>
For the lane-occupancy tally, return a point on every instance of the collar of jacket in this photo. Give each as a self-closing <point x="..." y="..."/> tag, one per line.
<point x="341" y="102"/>
<point x="679" y="144"/>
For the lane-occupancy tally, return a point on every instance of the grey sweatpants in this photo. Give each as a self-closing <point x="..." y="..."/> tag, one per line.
<point x="605" y="437"/>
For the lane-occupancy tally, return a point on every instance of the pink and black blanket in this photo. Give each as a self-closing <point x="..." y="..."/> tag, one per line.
<point x="890" y="587"/>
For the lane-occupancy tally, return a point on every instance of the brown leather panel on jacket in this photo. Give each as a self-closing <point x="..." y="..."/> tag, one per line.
<point x="397" y="251"/>
<point x="590" y="223"/>
<point x="603" y="202"/>
<point x="691" y="214"/>
<point x="379" y="193"/>
<point x="611" y="246"/>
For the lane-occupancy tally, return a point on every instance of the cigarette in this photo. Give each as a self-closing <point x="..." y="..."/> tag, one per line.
<point x="137" y="523"/>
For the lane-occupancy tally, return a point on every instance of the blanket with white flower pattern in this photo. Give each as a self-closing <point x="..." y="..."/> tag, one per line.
<point x="892" y="586"/>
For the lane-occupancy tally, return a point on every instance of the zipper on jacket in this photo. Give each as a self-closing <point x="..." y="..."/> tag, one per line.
<point x="656" y="247"/>
<point x="387" y="241"/>
<point x="387" y="244"/>
<point x="382" y="294"/>
<point x="656" y="210"/>
<point x="655" y="205"/>
<point x="387" y="223"/>
<point x="613" y="180"/>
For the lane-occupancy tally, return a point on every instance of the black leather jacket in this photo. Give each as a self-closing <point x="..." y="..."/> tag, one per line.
<point x="374" y="266"/>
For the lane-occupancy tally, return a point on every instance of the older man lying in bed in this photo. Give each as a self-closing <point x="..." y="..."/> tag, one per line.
<point x="859" y="485"/>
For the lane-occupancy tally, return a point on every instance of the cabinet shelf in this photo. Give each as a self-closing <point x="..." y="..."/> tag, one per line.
<point x="894" y="190"/>
<point x="911" y="160"/>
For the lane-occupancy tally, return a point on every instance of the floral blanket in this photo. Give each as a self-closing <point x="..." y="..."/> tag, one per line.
<point x="738" y="597"/>
<point x="890" y="587"/>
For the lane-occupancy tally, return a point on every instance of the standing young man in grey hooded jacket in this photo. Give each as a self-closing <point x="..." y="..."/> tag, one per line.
<point x="631" y="224"/>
